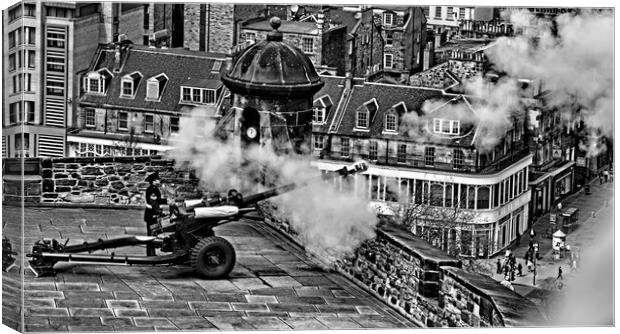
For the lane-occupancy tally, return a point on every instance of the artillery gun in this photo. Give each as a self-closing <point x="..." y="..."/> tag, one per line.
<point x="187" y="238"/>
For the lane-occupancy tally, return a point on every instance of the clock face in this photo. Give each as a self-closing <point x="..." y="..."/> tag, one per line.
<point x="251" y="132"/>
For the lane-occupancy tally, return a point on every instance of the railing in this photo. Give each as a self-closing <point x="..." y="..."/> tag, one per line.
<point x="415" y="161"/>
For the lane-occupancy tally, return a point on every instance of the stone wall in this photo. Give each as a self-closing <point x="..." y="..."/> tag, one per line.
<point x="101" y="181"/>
<point x="422" y="283"/>
<point x="221" y="27"/>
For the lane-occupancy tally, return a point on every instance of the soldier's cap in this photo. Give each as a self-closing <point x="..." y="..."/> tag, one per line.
<point x="152" y="177"/>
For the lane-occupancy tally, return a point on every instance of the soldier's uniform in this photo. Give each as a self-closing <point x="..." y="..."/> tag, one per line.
<point x="152" y="210"/>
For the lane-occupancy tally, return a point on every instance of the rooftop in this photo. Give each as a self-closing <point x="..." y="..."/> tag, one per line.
<point x="289" y="27"/>
<point x="182" y="67"/>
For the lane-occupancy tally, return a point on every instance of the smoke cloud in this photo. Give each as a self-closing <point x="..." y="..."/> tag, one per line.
<point x="572" y="58"/>
<point x="329" y="222"/>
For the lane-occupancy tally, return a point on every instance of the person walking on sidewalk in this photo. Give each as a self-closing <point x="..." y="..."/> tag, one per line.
<point x="600" y="177"/>
<point x="559" y="273"/>
<point x="499" y="267"/>
<point x="606" y="175"/>
<point x="520" y="269"/>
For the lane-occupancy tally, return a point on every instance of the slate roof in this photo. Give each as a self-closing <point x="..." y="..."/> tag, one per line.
<point x="515" y="309"/>
<point x="182" y="67"/>
<point x="333" y="87"/>
<point x="387" y="97"/>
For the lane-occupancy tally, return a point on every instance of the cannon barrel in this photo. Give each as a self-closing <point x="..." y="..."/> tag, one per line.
<point x="344" y="171"/>
<point x="236" y="199"/>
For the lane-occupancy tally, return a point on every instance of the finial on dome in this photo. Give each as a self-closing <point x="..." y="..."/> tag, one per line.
<point x="275" y="35"/>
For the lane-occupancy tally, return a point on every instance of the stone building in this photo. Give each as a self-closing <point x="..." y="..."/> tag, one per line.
<point x="46" y="46"/>
<point x="134" y="96"/>
<point x="400" y="33"/>
<point x="427" y="165"/>
<point x="446" y="21"/>
<point x="323" y="43"/>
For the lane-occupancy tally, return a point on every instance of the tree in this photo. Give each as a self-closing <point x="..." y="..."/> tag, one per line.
<point x="446" y="225"/>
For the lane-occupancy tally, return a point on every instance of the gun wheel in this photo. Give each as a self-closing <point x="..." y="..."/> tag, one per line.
<point x="213" y="257"/>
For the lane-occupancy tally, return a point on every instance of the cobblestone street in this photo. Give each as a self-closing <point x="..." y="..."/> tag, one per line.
<point x="273" y="286"/>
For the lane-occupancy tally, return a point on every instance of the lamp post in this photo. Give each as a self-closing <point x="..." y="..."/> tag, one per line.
<point x="535" y="251"/>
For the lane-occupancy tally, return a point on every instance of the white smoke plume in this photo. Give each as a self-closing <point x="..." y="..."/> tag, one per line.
<point x="573" y="58"/>
<point x="327" y="220"/>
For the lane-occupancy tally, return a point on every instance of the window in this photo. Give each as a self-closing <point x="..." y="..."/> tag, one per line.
<point x="29" y="34"/>
<point x="250" y="37"/>
<point x="122" y="120"/>
<point x="208" y="96"/>
<point x="59" y="12"/>
<point x="462" y="13"/>
<point x="217" y="65"/>
<point x="127" y="88"/>
<point x="15" y="13"/>
<point x="373" y="151"/>
<point x="458" y="159"/>
<point x="187" y="94"/>
<point x="130" y="83"/>
<point x="15" y="38"/>
<point x="55" y="40"/>
<point x="17" y="83"/>
<point x="56" y="88"/>
<point x="401" y="153"/>
<point x="388" y="60"/>
<point x="29" y="106"/>
<point x="389" y="38"/>
<point x="319" y="115"/>
<point x="89" y="117"/>
<point x="55" y="64"/>
<point x="15" y="113"/>
<point x="28" y="82"/>
<point x="149" y="124"/>
<point x="345" y="147"/>
<point x="388" y="19"/>
<point x="362" y="119"/>
<point x="390" y="122"/>
<point x="437" y="12"/>
<point x="198" y="95"/>
<point x="30" y="9"/>
<point x="429" y="156"/>
<point x="31" y="58"/>
<point x="155" y="86"/>
<point x="319" y="142"/>
<point x="174" y="124"/>
<point x="12" y="62"/>
<point x="450" y="15"/>
<point x="308" y="45"/>
<point x="446" y="126"/>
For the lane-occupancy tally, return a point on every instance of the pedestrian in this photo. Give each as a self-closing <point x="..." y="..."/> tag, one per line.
<point x="559" y="273"/>
<point x="518" y="238"/>
<point x="600" y="177"/>
<point x="152" y="209"/>
<point x="606" y="174"/>
<point x="499" y="267"/>
<point x="530" y="265"/>
<point x="520" y="269"/>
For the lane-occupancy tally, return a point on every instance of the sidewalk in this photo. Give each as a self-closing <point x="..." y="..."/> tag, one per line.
<point x="590" y="207"/>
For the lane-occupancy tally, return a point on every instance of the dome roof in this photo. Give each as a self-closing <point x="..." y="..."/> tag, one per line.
<point x="273" y="67"/>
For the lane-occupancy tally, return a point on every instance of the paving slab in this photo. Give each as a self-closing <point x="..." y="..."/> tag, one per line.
<point x="274" y="286"/>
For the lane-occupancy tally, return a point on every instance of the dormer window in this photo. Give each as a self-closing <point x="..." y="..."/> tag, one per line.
<point x="96" y="82"/>
<point x="194" y="95"/>
<point x="446" y="126"/>
<point x="321" y="106"/>
<point x="366" y="113"/>
<point x="391" y="122"/>
<point x="155" y="87"/>
<point x="129" y="83"/>
<point x="388" y="19"/>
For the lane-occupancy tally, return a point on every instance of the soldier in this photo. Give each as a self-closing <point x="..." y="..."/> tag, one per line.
<point x="152" y="210"/>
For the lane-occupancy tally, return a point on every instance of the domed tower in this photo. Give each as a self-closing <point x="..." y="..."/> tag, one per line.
<point x="273" y="84"/>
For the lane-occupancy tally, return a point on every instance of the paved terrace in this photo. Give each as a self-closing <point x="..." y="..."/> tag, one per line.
<point x="274" y="285"/>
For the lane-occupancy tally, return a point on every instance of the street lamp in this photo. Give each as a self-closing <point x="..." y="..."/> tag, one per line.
<point x="535" y="251"/>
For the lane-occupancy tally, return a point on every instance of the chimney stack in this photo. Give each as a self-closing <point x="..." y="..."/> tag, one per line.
<point x="348" y="81"/>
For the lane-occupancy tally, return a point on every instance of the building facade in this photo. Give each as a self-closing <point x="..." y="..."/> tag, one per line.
<point x="133" y="98"/>
<point x="46" y="46"/>
<point x="429" y="172"/>
<point x="400" y="36"/>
